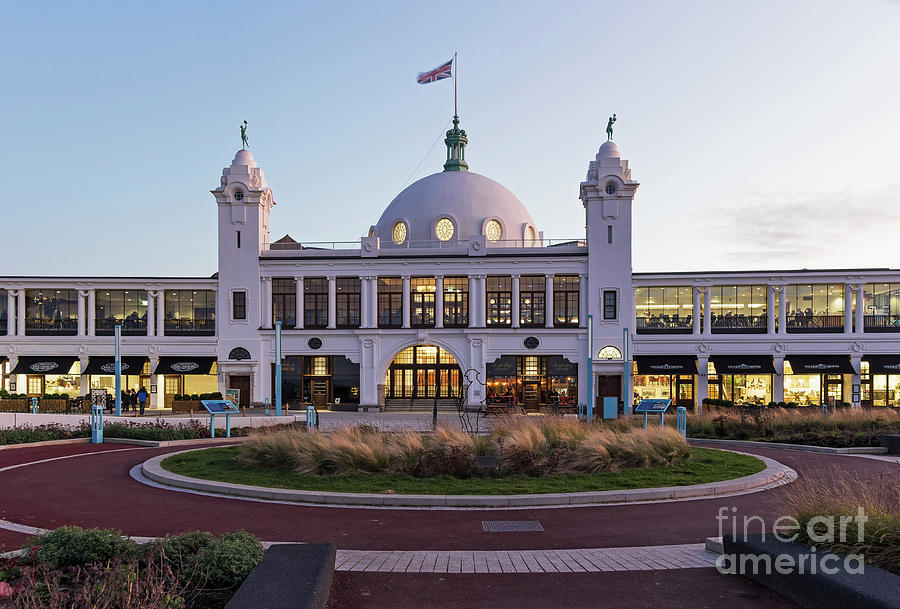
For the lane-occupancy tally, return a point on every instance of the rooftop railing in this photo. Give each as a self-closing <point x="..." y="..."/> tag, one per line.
<point x="458" y="244"/>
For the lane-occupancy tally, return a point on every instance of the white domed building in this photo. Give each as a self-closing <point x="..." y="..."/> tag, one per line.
<point x="455" y="297"/>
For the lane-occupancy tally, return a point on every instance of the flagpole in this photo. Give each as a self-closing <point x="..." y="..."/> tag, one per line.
<point x="455" y="97"/>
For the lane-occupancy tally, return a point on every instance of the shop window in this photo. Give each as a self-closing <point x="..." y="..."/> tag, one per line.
<point x="315" y="302"/>
<point x="499" y="300"/>
<point x="456" y="302"/>
<point x="532" y="293"/>
<point x="284" y="301"/>
<point x="347" y="292"/>
<point x="566" y="296"/>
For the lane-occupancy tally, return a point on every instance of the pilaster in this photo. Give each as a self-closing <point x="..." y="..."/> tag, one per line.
<point x="92" y="313"/>
<point x="332" y="302"/>
<point x="265" y="309"/>
<point x="516" y="301"/>
<point x="438" y="301"/>
<point x="548" y="299"/>
<point x="299" y="303"/>
<point x="405" y="299"/>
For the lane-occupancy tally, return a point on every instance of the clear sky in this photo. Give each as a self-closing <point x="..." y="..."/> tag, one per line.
<point x="764" y="134"/>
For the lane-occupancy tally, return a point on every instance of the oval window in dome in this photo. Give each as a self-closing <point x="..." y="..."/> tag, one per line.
<point x="493" y="231"/>
<point x="443" y="229"/>
<point x="530" y="236"/>
<point x="399" y="233"/>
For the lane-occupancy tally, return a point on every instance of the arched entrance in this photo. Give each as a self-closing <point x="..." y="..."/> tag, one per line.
<point x="422" y="372"/>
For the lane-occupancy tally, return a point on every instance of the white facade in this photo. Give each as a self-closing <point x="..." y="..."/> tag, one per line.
<point x="450" y="230"/>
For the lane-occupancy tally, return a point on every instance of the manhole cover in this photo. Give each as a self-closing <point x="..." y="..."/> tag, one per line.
<point x="511" y="526"/>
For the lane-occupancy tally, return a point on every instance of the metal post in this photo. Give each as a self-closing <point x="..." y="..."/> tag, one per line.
<point x="118" y="334"/>
<point x="626" y="375"/>
<point x="278" y="368"/>
<point x="212" y="425"/>
<point x="96" y="424"/>
<point x="266" y="403"/>
<point x="35" y="408"/>
<point x="589" y="403"/>
<point x="681" y="421"/>
<point x="311" y="419"/>
<point x="662" y="419"/>
<point x="227" y="425"/>
<point x="645" y="420"/>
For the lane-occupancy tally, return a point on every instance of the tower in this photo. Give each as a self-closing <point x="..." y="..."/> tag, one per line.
<point x="607" y="194"/>
<point x="245" y="202"/>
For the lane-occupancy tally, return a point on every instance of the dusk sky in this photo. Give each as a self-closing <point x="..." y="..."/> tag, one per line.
<point x="764" y="134"/>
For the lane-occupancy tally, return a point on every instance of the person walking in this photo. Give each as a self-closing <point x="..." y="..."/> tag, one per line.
<point x="142" y="399"/>
<point x="132" y="400"/>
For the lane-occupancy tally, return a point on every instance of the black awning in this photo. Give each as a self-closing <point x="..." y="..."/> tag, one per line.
<point x="44" y="365"/>
<point x="883" y="364"/>
<point x="666" y="364"/>
<point x="107" y="365"/>
<point x="743" y="364"/>
<point x="184" y="365"/>
<point x="820" y="364"/>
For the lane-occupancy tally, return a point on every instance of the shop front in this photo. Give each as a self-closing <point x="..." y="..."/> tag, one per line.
<point x="321" y="380"/>
<point x="186" y="375"/>
<point x="880" y="380"/>
<point x="40" y="376"/>
<point x="741" y="378"/>
<point x="665" y="377"/>
<point x="101" y="373"/>
<point x="532" y="381"/>
<point x="810" y="380"/>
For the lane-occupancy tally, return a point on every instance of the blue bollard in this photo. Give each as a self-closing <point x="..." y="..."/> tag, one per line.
<point x="266" y="402"/>
<point x="34" y="405"/>
<point x="96" y="424"/>
<point x="681" y="421"/>
<point x="311" y="422"/>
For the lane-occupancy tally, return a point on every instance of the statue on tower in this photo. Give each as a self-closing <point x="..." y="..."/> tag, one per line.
<point x="609" y="127"/>
<point x="245" y="143"/>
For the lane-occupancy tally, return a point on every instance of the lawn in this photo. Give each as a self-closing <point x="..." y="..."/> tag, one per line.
<point x="704" y="465"/>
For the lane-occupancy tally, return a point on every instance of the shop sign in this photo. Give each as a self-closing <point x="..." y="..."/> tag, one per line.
<point x="43" y="367"/>
<point x="184" y="366"/>
<point x="111" y="368"/>
<point x="560" y="366"/>
<point x="504" y="366"/>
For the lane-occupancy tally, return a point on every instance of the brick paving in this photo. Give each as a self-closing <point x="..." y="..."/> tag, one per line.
<point x="591" y="560"/>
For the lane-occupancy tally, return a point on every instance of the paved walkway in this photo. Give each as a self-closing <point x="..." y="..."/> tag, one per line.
<point x="644" y="558"/>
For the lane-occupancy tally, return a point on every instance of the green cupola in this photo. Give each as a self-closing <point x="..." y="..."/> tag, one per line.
<point x="456" y="141"/>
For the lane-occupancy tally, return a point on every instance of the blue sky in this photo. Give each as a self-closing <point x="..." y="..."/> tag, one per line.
<point x="764" y="134"/>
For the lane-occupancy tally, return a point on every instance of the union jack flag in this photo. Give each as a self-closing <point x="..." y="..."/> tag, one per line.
<point x="438" y="73"/>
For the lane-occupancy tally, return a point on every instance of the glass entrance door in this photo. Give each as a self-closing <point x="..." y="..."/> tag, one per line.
<point x="684" y="392"/>
<point x="531" y="395"/>
<point x="834" y="388"/>
<point x="172" y="388"/>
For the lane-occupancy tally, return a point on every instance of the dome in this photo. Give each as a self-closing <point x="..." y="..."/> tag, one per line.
<point x="473" y="204"/>
<point x="244" y="157"/>
<point x="609" y="150"/>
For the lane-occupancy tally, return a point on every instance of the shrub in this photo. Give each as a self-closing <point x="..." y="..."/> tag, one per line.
<point x="227" y="560"/>
<point x="70" y="546"/>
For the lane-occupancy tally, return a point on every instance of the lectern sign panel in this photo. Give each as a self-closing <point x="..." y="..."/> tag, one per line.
<point x="652" y="406"/>
<point x="219" y="406"/>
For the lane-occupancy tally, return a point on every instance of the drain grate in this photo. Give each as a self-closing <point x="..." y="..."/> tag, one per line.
<point x="511" y="526"/>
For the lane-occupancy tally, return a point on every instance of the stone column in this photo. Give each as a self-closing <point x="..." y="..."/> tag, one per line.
<point x="299" y="303"/>
<point x="702" y="389"/>
<point x="860" y="308"/>
<point x="22" y="312"/>
<point x="151" y="313"/>
<point x="82" y="322"/>
<point x="548" y="300"/>
<point x="782" y="309"/>
<point x="266" y="303"/>
<point x="405" y="300"/>
<point x="583" y="304"/>
<point x="481" y="297"/>
<point x="92" y="313"/>
<point x="11" y="312"/>
<point x="707" y="311"/>
<point x="161" y="314"/>
<point x="439" y="301"/>
<point x="770" y="309"/>
<point x="516" y="301"/>
<point x="364" y="304"/>
<point x="778" y="379"/>
<point x="696" y="311"/>
<point x="332" y="302"/>
<point x="473" y="301"/>
<point x="848" y="308"/>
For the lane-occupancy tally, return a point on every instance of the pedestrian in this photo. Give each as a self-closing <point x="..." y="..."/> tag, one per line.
<point x="132" y="400"/>
<point x="142" y="399"/>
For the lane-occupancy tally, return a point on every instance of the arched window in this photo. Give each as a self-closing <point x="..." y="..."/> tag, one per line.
<point x="239" y="353"/>
<point x="609" y="352"/>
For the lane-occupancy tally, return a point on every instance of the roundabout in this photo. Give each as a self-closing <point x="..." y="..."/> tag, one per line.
<point x="406" y="556"/>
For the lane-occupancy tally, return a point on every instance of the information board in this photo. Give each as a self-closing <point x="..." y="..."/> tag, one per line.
<point x="652" y="406"/>
<point x="98" y="397"/>
<point x="234" y="396"/>
<point x="219" y="406"/>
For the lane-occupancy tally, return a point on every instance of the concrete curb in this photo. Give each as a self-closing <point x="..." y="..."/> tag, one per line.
<point x="775" y="473"/>
<point x="167" y="443"/>
<point x="45" y="443"/>
<point x="850" y="450"/>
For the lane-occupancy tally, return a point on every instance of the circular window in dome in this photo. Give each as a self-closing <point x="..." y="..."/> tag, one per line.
<point x="493" y="231"/>
<point x="398" y="234"/>
<point x="444" y="229"/>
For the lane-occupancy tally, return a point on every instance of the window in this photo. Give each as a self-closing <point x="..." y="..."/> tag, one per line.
<point x="530" y="236"/>
<point x="315" y="302"/>
<point x="532" y="295"/>
<point x="664" y="309"/>
<point x="390" y="302"/>
<point x="239" y="305"/>
<point x="284" y="301"/>
<point x="49" y="312"/>
<point x="738" y="308"/>
<point x="881" y="307"/>
<point x="421" y="298"/>
<point x="493" y="231"/>
<point x="398" y="234"/>
<point x="499" y="300"/>
<point x="317" y="366"/>
<point x="609" y="352"/>
<point x="456" y="302"/>
<point x="190" y="312"/>
<point x="609" y="304"/>
<point x="566" y="294"/>
<point x="127" y="308"/>
<point x="3" y="313"/>
<point x="239" y="239"/>
<point x="444" y="229"/>
<point x="347" y="292"/>
<point x="815" y="307"/>
<point x="609" y="233"/>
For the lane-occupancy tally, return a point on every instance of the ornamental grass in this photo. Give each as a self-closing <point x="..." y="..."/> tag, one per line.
<point x="520" y="446"/>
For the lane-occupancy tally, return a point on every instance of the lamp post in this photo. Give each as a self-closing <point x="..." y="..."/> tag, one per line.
<point x="118" y="336"/>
